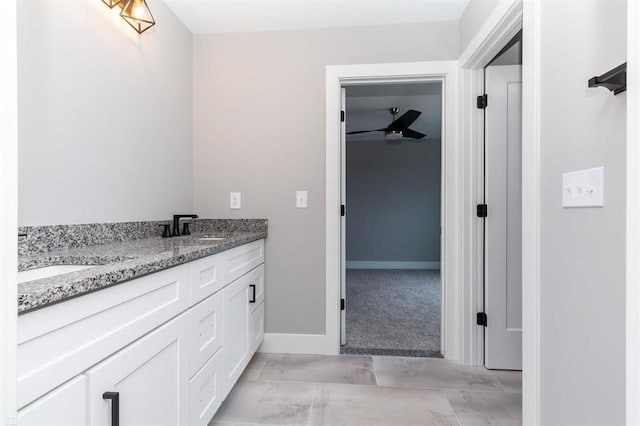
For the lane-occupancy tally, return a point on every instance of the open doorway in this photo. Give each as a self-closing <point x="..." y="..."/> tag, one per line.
<point x="502" y="209"/>
<point x="392" y="191"/>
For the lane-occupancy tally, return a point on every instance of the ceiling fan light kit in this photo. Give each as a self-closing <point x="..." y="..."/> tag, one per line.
<point x="399" y="127"/>
<point x="393" y="134"/>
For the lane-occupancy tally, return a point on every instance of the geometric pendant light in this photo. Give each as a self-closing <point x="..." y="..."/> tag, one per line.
<point x="137" y="14"/>
<point x="112" y="3"/>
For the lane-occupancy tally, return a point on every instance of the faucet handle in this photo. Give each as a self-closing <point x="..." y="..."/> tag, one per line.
<point x="185" y="229"/>
<point x="166" y="232"/>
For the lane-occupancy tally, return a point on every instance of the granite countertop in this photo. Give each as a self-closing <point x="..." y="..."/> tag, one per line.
<point x="115" y="263"/>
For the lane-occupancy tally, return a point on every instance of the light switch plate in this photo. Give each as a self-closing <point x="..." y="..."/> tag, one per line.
<point x="584" y="188"/>
<point x="301" y="199"/>
<point x="235" y="200"/>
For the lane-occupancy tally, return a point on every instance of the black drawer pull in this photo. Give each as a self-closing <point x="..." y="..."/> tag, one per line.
<point x="253" y="293"/>
<point x="115" y="406"/>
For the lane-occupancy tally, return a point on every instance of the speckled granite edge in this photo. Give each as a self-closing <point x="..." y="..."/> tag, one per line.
<point x="42" y="239"/>
<point x="43" y="292"/>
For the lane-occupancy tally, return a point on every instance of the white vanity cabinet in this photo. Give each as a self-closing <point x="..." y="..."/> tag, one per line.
<point x="165" y="348"/>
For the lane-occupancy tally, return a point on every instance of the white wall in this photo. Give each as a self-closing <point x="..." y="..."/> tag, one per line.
<point x="473" y="18"/>
<point x="259" y="128"/>
<point x="105" y="115"/>
<point x="582" y="250"/>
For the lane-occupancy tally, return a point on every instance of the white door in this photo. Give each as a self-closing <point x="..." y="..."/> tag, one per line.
<point x="503" y="225"/>
<point x="343" y="219"/>
<point x="148" y="380"/>
<point x="236" y="330"/>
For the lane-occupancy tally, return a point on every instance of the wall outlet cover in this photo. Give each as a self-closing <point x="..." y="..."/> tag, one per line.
<point x="301" y="199"/>
<point x="235" y="200"/>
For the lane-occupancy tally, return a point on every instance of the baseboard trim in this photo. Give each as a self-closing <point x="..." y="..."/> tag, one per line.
<point x="374" y="264"/>
<point x="316" y="344"/>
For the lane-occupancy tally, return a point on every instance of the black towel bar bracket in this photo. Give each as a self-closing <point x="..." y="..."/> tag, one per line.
<point x="614" y="80"/>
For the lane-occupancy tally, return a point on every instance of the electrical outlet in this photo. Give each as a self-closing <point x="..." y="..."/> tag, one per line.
<point x="301" y="199"/>
<point x="235" y="200"/>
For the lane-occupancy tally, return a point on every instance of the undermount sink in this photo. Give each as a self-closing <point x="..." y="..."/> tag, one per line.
<point x="49" y="271"/>
<point x="211" y="238"/>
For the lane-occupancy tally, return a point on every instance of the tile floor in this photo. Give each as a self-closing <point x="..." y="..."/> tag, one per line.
<point x="369" y="391"/>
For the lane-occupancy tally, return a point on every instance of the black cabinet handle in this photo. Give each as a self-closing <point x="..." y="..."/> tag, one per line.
<point x="115" y="406"/>
<point x="253" y="293"/>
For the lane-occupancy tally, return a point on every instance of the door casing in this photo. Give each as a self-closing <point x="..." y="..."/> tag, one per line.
<point x="345" y="75"/>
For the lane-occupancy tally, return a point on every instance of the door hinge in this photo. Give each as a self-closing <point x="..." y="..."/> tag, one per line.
<point x="482" y="101"/>
<point x="342" y="210"/>
<point x="481" y="319"/>
<point x="342" y="116"/>
<point x="342" y="304"/>
<point x="481" y="210"/>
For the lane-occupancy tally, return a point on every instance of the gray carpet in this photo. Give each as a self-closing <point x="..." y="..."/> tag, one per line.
<point x="393" y="312"/>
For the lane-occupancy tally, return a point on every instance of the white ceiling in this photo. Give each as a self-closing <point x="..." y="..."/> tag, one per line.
<point x="370" y="108"/>
<point x="233" y="16"/>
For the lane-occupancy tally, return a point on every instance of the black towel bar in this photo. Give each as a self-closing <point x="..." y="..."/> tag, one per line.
<point x="614" y="80"/>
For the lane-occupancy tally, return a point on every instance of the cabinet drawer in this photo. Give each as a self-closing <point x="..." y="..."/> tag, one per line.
<point x="256" y="334"/>
<point x="206" y="331"/>
<point x="150" y="378"/>
<point x="64" y="406"/>
<point x="242" y="259"/>
<point x="206" y="277"/>
<point x="63" y="340"/>
<point x="206" y="391"/>
<point x="257" y="280"/>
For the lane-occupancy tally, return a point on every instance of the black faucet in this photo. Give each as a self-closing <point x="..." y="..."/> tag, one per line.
<point x="176" y="224"/>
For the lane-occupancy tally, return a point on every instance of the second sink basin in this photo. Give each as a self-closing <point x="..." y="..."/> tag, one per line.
<point x="49" y="271"/>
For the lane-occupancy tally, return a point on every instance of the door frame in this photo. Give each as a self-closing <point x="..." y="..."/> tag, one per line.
<point x="633" y="215"/>
<point x="338" y="76"/>
<point x="8" y="211"/>
<point x="507" y="19"/>
<point x="343" y="195"/>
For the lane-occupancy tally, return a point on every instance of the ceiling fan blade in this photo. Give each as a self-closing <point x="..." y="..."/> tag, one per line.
<point x="408" y="133"/>
<point x="405" y="120"/>
<point x="357" y="132"/>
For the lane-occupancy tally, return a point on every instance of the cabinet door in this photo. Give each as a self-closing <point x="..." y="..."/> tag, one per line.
<point x="206" y="331"/>
<point x="236" y="330"/>
<point x="151" y="379"/>
<point x="257" y="328"/>
<point x="257" y="279"/>
<point x="64" y="406"/>
<point x="206" y="391"/>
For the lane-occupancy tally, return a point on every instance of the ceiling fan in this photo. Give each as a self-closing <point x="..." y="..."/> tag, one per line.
<point x="399" y="127"/>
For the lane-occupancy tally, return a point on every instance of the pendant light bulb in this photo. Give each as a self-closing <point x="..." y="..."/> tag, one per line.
<point x="138" y="15"/>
